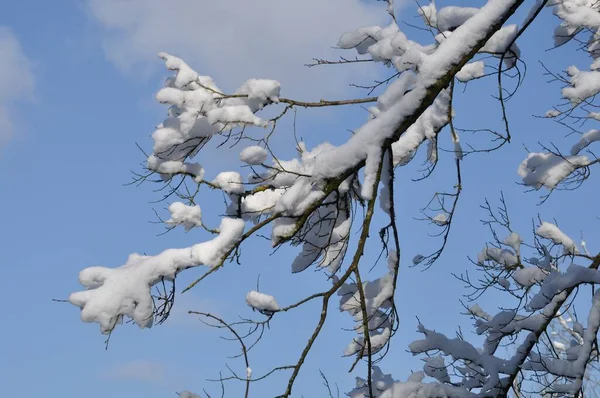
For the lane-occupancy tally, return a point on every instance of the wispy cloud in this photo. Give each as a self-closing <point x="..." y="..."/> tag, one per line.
<point x="16" y="81"/>
<point x="235" y="40"/>
<point x="180" y="317"/>
<point x="139" y="370"/>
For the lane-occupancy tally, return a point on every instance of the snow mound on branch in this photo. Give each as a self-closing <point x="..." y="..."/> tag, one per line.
<point x="126" y="291"/>
<point x="505" y="283"/>
<point x="440" y="219"/>
<point x="360" y="39"/>
<point x="261" y="89"/>
<point x="550" y="231"/>
<point x="497" y="255"/>
<point x="449" y="18"/>
<point x="254" y="155"/>
<point x="497" y="45"/>
<point x="499" y="42"/>
<point x="185" y="75"/>
<point x="557" y="282"/>
<point x="429" y="14"/>
<point x="261" y="301"/>
<point x="364" y="146"/>
<point x="234" y="116"/>
<point x="187" y="394"/>
<point x="230" y="182"/>
<point x="585" y="140"/>
<point x="578" y="13"/>
<point x="259" y="203"/>
<point x="426" y="127"/>
<point x="182" y="214"/>
<point x="199" y="110"/>
<point x="436" y="368"/>
<point x="548" y="169"/>
<point x="583" y="85"/>
<point x="529" y="276"/>
<point x="418" y="259"/>
<point x="377" y="296"/>
<point x="514" y="241"/>
<point x="471" y="71"/>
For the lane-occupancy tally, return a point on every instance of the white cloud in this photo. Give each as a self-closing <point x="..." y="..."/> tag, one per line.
<point x="139" y="370"/>
<point x="16" y="80"/>
<point x="239" y="39"/>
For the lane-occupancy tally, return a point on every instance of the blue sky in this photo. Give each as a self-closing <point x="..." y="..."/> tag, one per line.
<point x="77" y="80"/>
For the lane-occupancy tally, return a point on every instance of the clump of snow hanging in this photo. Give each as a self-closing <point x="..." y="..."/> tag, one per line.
<point x="583" y="85"/>
<point x="260" y="203"/>
<point x="440" y="219"/>
<point x="377" y="296"/>
<point x="429" y="14"/>
<point x="182" y="214"/>
<point x="418" y="259"/>
<point x="557" y="282"/>
<point x="185" y="74"/>
<point x="594" y="115"/>
<point x="233" y="116"/>
<point x="366" y="143"/>
<point x="436" y="368"/>
<point x="529" y="276"/>
<point x="427" y="126"/>
<point x="190" y="96"/>
<point x="577" y="356"/>
<point x="187" y="394"/>
<point x="449" y="18"/>
<point x="514" y="241"/>
<point x="380" y="383"/>
<point x="384" y="386"/>
<point x="230" y="182"/>
<point x="126" y="291"/>
<point x="548" y="169"/>
<point x="361" y="39"/>
<point x="254" y="155"/>
<point x="499" y="42"/>
<point x="559" y="346"/>
<point x="550" y="231"/>
<point x="505" y="283"/>
<point x="585" y="140"/>
<point x="261" y="89"/>
<point x="471" y="71"/>
<point x="577" y="14"/>
<point x="198" y="110"/>
<point x="261" y="301"/>
<point x="302" y="191"/>
<point x="497" y="255"/>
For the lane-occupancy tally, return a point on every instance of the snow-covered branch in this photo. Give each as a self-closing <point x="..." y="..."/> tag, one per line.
<point x="312" y="200"/>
